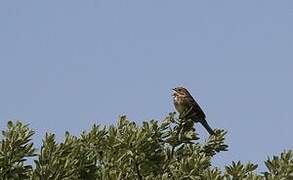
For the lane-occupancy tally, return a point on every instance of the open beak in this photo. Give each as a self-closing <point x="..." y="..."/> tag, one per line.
<point x="174" y="94"/>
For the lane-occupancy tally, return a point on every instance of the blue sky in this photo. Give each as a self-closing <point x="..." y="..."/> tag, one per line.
<point x="65" y="65"/>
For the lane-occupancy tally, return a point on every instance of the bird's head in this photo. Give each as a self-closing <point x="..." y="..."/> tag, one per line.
<point x="181" y="91"/>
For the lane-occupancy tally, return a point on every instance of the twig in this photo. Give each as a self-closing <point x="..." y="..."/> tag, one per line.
<point x="137" y="170"/>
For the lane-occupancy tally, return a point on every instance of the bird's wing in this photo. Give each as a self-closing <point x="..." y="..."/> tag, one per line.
<point x="197" y="108"/>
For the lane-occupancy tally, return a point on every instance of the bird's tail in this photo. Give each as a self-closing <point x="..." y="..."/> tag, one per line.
<point x="208" y="128"/>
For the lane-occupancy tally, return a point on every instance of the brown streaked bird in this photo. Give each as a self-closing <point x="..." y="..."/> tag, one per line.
<point x="184" y="103"/>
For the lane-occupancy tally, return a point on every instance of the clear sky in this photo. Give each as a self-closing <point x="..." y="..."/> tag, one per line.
<point x="68" y="64"/>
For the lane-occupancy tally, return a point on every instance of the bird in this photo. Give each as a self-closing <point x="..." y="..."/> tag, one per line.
<point x="188" y="108"/>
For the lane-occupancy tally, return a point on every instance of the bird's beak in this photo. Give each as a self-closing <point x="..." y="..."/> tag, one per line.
<point x="174" y="89"/>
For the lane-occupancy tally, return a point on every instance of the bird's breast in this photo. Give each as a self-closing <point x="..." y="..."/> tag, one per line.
<point x="178" y="104"/>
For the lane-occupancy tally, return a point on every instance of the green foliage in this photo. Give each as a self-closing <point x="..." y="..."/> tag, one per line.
<point x="280" y="167"/>
<point x="240" y="171"/>
<point x="162" y="151"/>
<point x="15" y="148"/>
<point x="56" y="161"/>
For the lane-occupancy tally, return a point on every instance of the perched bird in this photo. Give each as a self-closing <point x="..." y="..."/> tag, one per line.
<point x="187" y="106"/>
